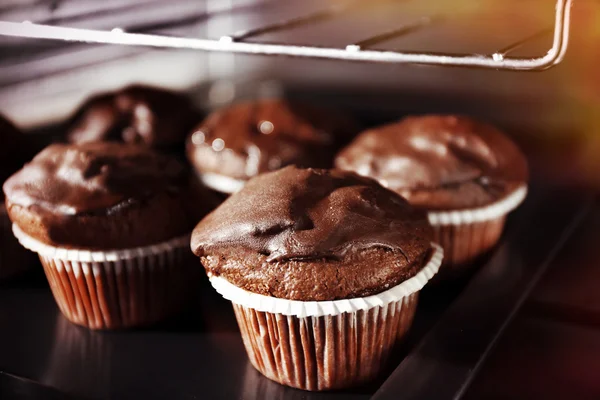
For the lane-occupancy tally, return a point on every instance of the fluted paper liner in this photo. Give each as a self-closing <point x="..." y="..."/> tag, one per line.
<point x="302" y="309"/>
<point x="467" y="234"/>
<point x="323" y="345"/>
<point x="490" y="212"/>
<point x="328" y="352"/>
<point x="117" y="289"/>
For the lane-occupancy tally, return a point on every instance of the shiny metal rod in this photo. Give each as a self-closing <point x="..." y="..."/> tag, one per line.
<point x="494" y="61"/>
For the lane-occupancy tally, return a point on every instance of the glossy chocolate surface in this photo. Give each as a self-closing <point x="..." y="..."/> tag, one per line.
<point x="245" y="139"/>
<point x="439" y="162"/>
<point x="137" y="114"/>
<point x="105" y="195"/>
<point x="313" y="235"/>
<point x="92" y="178"/>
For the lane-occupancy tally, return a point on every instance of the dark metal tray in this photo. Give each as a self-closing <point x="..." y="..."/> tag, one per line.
<point x="200" y="354"/>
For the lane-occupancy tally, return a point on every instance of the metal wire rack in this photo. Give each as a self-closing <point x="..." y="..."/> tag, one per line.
<point x="362" y="50"/>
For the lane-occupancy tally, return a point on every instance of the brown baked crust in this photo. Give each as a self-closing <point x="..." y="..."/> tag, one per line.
<point x="151" y="221"/>
<point x="104" y="196"/>
<point x="308" y="235"/>
<point x="145" y="115"/>
<point x="246" y="139"/>
<point x="439" y="162"/>
<point x="358" y="274"/>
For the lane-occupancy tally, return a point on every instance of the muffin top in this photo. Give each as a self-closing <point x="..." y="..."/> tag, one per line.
<point x="154" y="117"/>
<point x="250" y="138"/>
<point x="439" y="162"/>
<point x="313" y="234"/>
<point x="104" y="195"/>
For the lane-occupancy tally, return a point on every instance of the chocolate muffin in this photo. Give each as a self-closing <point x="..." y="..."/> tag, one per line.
<point x="238" y="142"/>
<point x="310" y="258"/>
<point x="154" y="117"/>
<point x="468" y="175"/>
<point x="111" y="223"/>
<point x="14" y="152"/>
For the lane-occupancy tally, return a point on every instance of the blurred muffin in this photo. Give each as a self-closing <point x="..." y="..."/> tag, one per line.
<point x="14" y="152"/>
<point x="310" y="258"/>
<point x="154" y="117"/>
<point x="468" y="176"/>
<point x="238" y="142"/>
<point x="111" y="224"/>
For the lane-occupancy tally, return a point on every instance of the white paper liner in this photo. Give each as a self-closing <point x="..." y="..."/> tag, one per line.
<point x="46" y="250"/>
<point x="464" y="244"/>
<point x="323" y="353"/>
<point x="221" y="183"/>
<point x="303" y="309"/>
<point x="487" y="213"/>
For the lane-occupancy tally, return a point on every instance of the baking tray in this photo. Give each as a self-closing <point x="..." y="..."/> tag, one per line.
<point x="199" y="354"/>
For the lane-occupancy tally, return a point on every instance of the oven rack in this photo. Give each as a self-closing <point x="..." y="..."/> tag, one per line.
<point x="361" y="50"/>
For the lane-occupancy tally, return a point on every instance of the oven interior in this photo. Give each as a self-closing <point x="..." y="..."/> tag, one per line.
<point x="524" y="324"/>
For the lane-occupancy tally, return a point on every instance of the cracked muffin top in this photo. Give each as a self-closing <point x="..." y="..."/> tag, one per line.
<point x="439" y="162"/>
<point x="313" y="235"/>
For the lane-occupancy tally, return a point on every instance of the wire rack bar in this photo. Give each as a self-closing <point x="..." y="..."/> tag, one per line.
<point x="316" y="16"/>
<point x="235" y="43"/>
<point x="520" y="43"/>
<point x="394" y="33"/>
<point x="560" y="39"/>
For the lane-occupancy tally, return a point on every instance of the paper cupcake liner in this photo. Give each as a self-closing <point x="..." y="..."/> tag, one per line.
<point x="97" y="256"/>
<point x="323" y="345"/>
<point x="481" y="214"/>
<point x="14" y="259"/>
<point x="327" y="352"/>
<point x="221" y="183"/>
<point x="464" y="244"/>
<point x="466" y="235"/>
<point x="117" y="289"/>
<point x="302" y="309"/>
